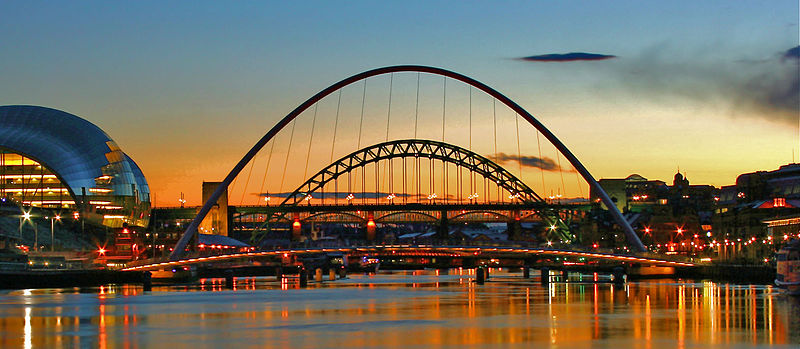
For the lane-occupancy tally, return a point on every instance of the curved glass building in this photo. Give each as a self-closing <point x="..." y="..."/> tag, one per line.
<point x="53" y="159"/>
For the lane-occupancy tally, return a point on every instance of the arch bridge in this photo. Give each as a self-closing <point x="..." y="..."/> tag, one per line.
<point x="386" y="150"/>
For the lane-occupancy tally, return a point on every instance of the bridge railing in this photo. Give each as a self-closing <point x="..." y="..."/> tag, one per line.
<point x="313" y="245"/>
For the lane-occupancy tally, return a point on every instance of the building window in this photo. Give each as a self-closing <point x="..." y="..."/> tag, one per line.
<point x="779" y="202"/>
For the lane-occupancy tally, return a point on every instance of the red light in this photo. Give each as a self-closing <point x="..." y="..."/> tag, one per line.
<point x="370" y="223"/>
<point x="101" y="251"/>
<point x="296" y="224"/>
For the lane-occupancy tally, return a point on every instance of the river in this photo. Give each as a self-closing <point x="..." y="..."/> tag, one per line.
<point x="419" y="309"/>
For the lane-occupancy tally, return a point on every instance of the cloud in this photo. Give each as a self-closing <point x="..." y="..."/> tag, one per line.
<point x="792" y="53"/>
<point x="568" y="57"/>
<point x="546" y="164"/>
<point x="765" y="85"/>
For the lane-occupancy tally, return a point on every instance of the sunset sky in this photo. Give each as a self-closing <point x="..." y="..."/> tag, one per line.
<point x="187" y="87"/>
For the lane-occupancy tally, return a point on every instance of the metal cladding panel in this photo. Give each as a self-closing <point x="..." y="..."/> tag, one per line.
<point x="75" y="149"/>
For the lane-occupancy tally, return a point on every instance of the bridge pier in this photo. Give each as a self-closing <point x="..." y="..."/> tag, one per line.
<point x="303" y="276"/>
<point x="278" y="273"/>
<point x="480" y="277"/>
<point x="619" y="275"/>
<point x="343" y="272"/>
<point x="545" y="276"/>
<point x="331" y="274"/>
<point x="147" y="282"/>
<point x="318" y="275"/>
<point x="514" y="226"/>
<point x="228" y="279"/>
<point x="526" y="272"/>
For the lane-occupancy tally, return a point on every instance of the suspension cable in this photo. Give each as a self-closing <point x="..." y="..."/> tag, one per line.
<point x="416" y="110"/>
<point x="311" y="140"/>
<point x="494" y="118"/>
<point x="360" y="128"/>
<point x="519" y="149"/>
<point x="288" y="154"/>
<point x="336" y="124"/>
<point x="561" y="172"/>
<point x="361" y="123"/>
<point x="266" y="170"/>
<point x="444" y="103"/>
<point x="388" y="119"/>
<point x="247" y="182"/>
<point x="472" y="184"/>
<point x="541" y="168"/>
<point x="389" y="112"/>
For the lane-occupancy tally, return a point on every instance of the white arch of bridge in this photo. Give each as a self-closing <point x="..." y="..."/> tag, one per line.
<point x="191" y="230"/>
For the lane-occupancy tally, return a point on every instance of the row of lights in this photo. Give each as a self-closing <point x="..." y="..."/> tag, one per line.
<point x="393" y="196"/>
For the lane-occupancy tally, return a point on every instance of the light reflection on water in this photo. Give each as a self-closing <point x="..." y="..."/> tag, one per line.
<point x="401" y="310"/>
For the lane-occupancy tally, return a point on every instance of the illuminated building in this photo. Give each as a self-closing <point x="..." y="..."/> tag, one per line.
<point x="633" y="193"/>
<point x="760" y="209"/>
<point x="51" y="159"/>
<point x="663" y="214"/>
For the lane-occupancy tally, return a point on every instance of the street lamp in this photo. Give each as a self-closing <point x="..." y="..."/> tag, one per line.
<point x="26" y="216"/>
<point x="52" y="232"/>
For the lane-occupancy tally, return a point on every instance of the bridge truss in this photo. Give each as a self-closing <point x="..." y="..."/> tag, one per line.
<point x="524" y="203"/>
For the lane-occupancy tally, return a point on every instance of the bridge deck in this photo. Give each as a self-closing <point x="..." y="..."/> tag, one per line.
<point x="420" y="250"/>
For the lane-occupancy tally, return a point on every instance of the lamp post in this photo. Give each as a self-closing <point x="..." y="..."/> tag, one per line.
<point x="26" y="216"/>
<point x="52" y="232"/>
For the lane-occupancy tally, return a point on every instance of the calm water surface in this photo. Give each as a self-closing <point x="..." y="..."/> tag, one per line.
<point x="403" y="310"/>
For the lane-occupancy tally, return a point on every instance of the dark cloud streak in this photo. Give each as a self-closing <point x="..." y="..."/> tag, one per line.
<point x="546" y="164"/>
<point x="567" y="57"/>
<point x="792" y="53"/>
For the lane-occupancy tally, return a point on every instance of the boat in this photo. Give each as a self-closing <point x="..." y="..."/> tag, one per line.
<point x="367" y="264"/>
<point x="181" y="274"/>
<point x="788" y="265"/>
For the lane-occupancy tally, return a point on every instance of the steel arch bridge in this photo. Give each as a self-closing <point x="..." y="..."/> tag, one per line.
<point x="414" y="148"/>
<point x="417" y="148"/>
<point x="191" y="230"/>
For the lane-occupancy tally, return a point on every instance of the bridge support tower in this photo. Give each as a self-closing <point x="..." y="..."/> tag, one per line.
<point x="443" y="228"/>
<point x="371" y="226"/>
<point x="296" y="231"/>
<point x="514" y="226"/>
